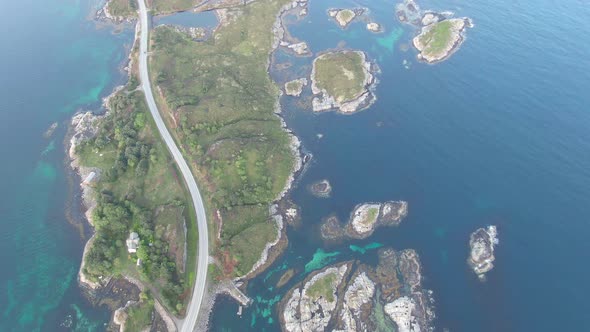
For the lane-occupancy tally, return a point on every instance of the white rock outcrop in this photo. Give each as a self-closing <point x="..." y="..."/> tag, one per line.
<point x="400" y="312"/>
<point x="482" y="243"/>
<point x="304" y="313"/>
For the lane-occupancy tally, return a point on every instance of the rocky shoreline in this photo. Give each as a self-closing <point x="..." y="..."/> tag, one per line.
<point x="351" y="296"/>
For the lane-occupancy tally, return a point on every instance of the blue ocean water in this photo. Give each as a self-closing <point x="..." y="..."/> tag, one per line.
<point x="497" y="134"/>
<point x="54" y="61"/>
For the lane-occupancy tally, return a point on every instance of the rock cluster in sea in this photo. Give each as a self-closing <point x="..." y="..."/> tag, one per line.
<point x="364" y="219"/>
<point x="321" y="188"/>
<point x="351" y="296"/>
<point x="374" y="27"/>
<point x="409" y="12"/>
<point x="482" y="243"/>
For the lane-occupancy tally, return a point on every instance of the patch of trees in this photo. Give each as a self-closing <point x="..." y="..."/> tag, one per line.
<point x="115" y="217"/>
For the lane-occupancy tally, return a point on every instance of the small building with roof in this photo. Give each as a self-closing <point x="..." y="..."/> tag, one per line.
<point x="132" y="243"/>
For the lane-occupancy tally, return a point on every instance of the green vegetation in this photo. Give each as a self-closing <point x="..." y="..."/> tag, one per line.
<point x="294" y="87"/>
<point x="170" y="6"/>
<point x="345" y="16"/>
<point x="137" y="180"/>
<point x="323" y="287"/>
<point x="437" y="38"/>
<point x="371" y="216"/>
<point x="123" y="8"/>
<point x="139" y="316"/>
<point x="341" y="74"/>
<point x="220" y="100"/>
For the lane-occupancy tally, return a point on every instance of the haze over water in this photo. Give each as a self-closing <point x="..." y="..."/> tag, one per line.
<point x="498" y="134"/>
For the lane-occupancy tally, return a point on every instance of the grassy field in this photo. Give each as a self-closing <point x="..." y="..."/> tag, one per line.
<point x="123" y="8"/>
<point x="345" y="15"/>
<point x="323" y="288"/>
<point x="437" y="38"/>
<point x="371" y="216"/>
<point x="220" y="100"/>
<point x="341" y="74"/>
<point x="170" y="6"/>
<point x="139" y="316"/>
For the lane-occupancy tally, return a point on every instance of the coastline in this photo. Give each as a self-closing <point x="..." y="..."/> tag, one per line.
<point x="83" y="126"/>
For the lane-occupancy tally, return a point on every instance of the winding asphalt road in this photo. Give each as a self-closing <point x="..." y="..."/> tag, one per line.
<point x="194" y="305"/>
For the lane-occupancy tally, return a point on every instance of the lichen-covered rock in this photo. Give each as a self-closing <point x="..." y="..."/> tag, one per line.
<point x="310" y="307"/>
<point x="360" y="293"/>
<point x="392" y="288"/>
<point x="482" y="242"/>
<point x="374" y="27"/>
<point x="300" y="48"/>
<point x="366" y="217"/>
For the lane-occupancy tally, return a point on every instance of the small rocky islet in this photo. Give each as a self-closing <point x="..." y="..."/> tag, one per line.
<point x="481" y="257"/>
<point x="440" y="35"/>
<point x="344" y="16"/>
<point x="364" y="220"/>
<point x="295" y="87"/>
<point x="351" y="296"/>
<point x="321" y="188"/>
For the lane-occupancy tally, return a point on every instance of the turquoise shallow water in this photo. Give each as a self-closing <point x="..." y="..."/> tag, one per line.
<point x="54" y="61"/>
<point x="498" y="134"/>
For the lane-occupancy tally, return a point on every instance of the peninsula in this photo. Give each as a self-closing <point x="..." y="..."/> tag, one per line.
<point x="342" y="80"/>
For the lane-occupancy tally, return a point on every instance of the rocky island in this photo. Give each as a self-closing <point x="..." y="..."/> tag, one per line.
<point x="364" y="219"/>
<point x="321" y="188"/>
<point x="481" y="258"/>
<point x="295" y="87"/>
<point x="344" y="16"/>
<point x="355" y="297"/>
<point x="374" y="27"/>
<point x="342" y="80"/>
<point x="440" y="34"/>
